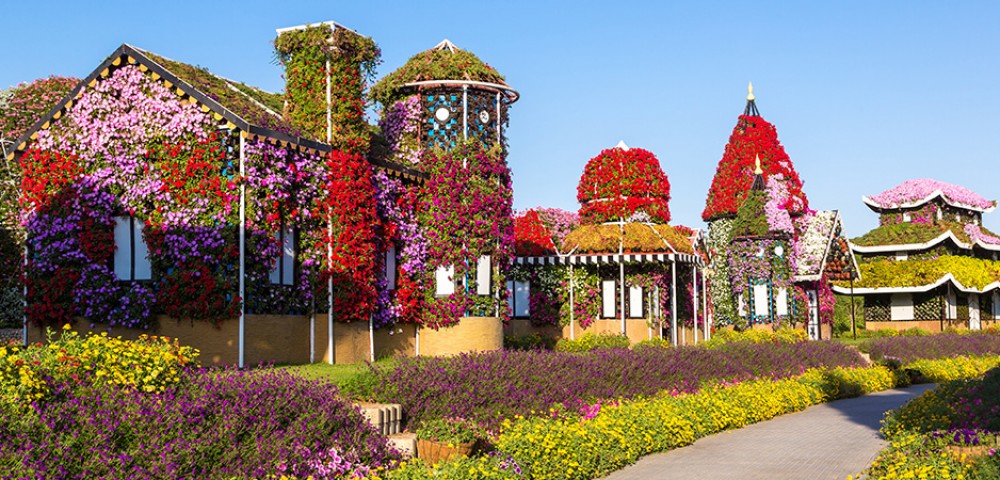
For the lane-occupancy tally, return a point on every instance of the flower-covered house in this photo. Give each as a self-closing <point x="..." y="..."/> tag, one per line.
<point x="772" y="256"/>
<point x="159" y="197"/>
<point x="930" y="263"/>
<point x="618" y="267"/>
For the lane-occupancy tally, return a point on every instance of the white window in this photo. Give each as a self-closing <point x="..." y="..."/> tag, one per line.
<point x="283" y="270"/>
<point x="741" y="303"/>
<point x="906" y="216"/>
<point x="131" y="261"/>
<point x="390" y="267"/>
<point x="484" y="275"/>
<point x="940" y="214"/>
<point x="760" y="301"/>
<point x="518" y="297"/>
<point x="608" y="299"/>
<point x="635" y="302"/>
<point x="444" y="280"/>
<point x="781" y="302"/>
<point x="901" y="307"/>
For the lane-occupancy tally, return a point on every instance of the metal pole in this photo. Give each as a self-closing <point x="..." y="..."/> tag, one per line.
<point x="329" y="107"/>
<point x="24" y="300"/>
<point x="673" y="301"/>
<point x="371" y="338"/>
<point x="465" y="112"/>
<point x="694" y="301"/>
<point x="704" y="307"/>
<point x="329" y="288"/>
<point x="242" y="234"/>
<point x="572" y="314"/>
<point x="854" y="331"/>
<point x="659" y="309"/>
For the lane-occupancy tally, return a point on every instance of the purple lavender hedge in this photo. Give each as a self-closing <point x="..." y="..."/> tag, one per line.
<point x="908" y="349"/>
<point x="213" y="424"/>
<point x="491" y="386"/>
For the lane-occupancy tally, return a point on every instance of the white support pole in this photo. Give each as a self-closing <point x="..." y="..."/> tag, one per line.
<point x="497" y="119"/>
<point x="572" y="307"/>
<point x="242" y="234"/>
<point x="312" y="335"/>
<point x="371" y="338"/>
<point x="694" y="301"/>
<point x="24" y="299"/>
<point x="416" y="341"/>
<point x="621" y="291"/>
<point x="704" y="307"/>
<point x="465" y="112"/>
<point x="329" y="289"/>
<point x="329" y="107"/>
<point x="659" y="310"/>
<point x="673" y="302"/>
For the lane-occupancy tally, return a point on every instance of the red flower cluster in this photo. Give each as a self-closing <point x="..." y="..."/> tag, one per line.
<point x="531" y="238"/>
<point x="192" y="173"/>
<point x="752" y="137"/>
<point x="45" y="173"/>
<point x="619" y="183"/>
<point x="351" y="203"/>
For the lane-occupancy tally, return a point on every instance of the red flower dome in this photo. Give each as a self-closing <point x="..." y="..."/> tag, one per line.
<point x="621" y="182"/>
<point x="752" y="137"/>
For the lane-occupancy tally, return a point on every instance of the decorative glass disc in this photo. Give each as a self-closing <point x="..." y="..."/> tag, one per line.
<point x="484" y="116"/>
<point x="442" y="114"/>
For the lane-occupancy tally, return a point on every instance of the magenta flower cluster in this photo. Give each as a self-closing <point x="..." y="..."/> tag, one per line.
<point x="919" y="190"/>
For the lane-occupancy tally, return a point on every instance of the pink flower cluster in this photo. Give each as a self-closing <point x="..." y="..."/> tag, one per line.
<point x="921" y="189"/>
<point x="976" y="233"/>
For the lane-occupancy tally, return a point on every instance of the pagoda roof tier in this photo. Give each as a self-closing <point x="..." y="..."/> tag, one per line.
<point x="916" y="192"/>
<point x="966" y="274"/>
<point x="905" y="237"/>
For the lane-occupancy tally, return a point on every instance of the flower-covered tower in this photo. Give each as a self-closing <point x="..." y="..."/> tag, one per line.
<point x="772" y="254"/>
<point x="444" y="115"/>
<point x="930" y="263"/>
<point x="458" y="97"/>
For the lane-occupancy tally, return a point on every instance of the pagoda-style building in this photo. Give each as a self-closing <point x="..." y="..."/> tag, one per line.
<point x="930" y="263"/>
<point x="772" y="256"/>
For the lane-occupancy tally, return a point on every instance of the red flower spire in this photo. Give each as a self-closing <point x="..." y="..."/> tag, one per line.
<point x="752" y="137"/>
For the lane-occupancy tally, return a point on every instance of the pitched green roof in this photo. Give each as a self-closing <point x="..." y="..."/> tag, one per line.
<point x="639" y="238"/>
<point x="252" y="104"/>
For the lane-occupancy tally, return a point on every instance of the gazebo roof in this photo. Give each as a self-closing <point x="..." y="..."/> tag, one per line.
<point x="444" y="62"/>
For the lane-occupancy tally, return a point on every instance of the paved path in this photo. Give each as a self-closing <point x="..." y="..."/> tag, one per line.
<point x="828" y="441"/>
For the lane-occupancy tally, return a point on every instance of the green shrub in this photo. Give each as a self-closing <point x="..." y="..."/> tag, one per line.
<point x="531" y="341"/>
<point x="652" y="343"/>
<point x="450" y="430"/>
<point x="588" y="341"/>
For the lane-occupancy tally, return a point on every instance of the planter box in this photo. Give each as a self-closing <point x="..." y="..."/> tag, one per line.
<point x="433" y="452"/>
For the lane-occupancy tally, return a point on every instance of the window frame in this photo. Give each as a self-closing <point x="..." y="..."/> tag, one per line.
<point x="145" y="261"/>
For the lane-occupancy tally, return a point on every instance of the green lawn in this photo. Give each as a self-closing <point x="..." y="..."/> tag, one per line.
<point x="336" y="374"/>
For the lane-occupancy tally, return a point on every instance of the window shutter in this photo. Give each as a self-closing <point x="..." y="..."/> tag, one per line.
<point x="390" y="267"/>
<point x="143" y="267"/>
<point x="288" y="260"/>
<point x="444" y="280"/>
<point x="635" y="302"/>
<point x="484" y="275"/>
<point x="123" y="248"/>
<point x="522" y="295"/>
<point x="608" y="298"/>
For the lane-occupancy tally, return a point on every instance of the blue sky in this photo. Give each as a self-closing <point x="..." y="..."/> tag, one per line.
<point x="864" y="94"/>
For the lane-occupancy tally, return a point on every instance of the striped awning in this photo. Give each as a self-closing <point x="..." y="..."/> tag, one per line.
<point x="597" y="259"/>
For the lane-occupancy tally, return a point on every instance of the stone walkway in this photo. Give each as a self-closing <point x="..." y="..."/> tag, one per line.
<point x="828" y="441"/>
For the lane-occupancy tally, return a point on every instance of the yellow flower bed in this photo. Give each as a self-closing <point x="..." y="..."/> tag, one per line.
<point x="149" y="364"/>
<point x="957" y="368"/>
<point x="907" y="457"/>
<point x="568" y="448"/>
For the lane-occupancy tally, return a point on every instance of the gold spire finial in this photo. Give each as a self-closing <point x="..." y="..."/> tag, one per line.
<point x="757" y="170"/>
<point x="750" y="96"/>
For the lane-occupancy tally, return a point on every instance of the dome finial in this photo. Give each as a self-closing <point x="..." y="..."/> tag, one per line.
<point x="757" y="170"/>
<point x="621" y="145"/>
<point x="750" y="91"/>
<point x="446" y="45"/>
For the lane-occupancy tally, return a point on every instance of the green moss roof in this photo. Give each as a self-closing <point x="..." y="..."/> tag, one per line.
<point x="438" y="63"/>
<point x="260" y="108"/>
<point x="969" y="271"/>
<point x="911" y="233"/>
<point x="639" y="238"/>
